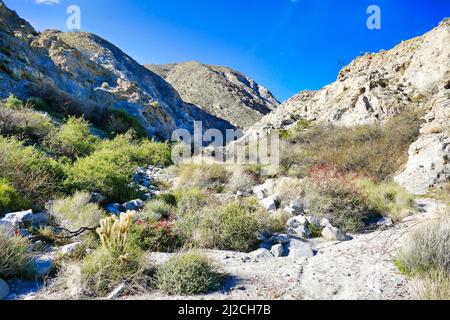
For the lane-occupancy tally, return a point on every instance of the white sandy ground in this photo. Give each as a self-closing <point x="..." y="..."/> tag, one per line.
<point x="360" y="269"/>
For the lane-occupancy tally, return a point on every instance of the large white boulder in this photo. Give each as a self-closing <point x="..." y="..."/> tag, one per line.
<point x="270" y="204"/>
<point x="265" y="190"/>
<point x="299" y="249"/>
<point x="261" y="254"/>
<point x="331" y="233"/>
<point x="26" y="218"/>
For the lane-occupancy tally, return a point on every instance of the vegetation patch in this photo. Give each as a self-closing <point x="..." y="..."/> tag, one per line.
<point x="15" y="256"/>
<point x="377" y="151"/>
<point x="187" y="274"/>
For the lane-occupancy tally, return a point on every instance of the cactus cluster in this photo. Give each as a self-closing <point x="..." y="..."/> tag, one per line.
<point x="113" y="232"/>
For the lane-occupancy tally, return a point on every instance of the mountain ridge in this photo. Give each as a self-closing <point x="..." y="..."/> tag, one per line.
<point x="219" y="90"/>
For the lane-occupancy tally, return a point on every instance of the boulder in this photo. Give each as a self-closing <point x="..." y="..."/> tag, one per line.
<point x="270" y="204"/>
<point x="277" y="250"/>
<point x="295" y="208"/>
<point x="4" y="290"/>
<point x="301" y="232"/>
<point x="281" y="239"/>
<point x="297" y="221"/>
<point x="114" y="208"/>
<point x="70" y="249"/>
<point x="299" y="249"/>
<point x="27" y="217"/>
<point x="261" y="254"/>
<point x="134" y="205"/>
<point x="314" y="221"/>
<point x="43" y="266"/>
<point x="331" y="233"/>
<point x="324" y="222"/>
<point x="97" y="198"/>
<point x="263" y="191"/>
<point x="385" y="222"/>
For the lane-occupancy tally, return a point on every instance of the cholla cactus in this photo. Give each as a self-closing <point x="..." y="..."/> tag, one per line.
<point x="114" y="231"/>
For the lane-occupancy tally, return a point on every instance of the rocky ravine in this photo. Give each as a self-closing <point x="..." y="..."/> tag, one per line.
<point x="83" y="72"/>
<point x="221" y="91"/>
<point x="377" y="86"/>
<point x="360" y="269"/>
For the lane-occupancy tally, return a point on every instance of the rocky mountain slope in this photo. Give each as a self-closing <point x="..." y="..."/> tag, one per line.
<point x="220" y="91"/>
<point x="85" y="73"/>
<point x="375" y="87"/>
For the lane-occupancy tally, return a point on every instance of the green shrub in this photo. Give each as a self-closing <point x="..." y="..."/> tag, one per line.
<point x="187" y="274"/>
<point x="15" y="256"/>
<point x="168" y="198"/>
<point x="109" y="169"/>
<point x="75" y="212"/>
<point x="23" y="122"/>
<point x="118" y="260"/>
<point x="191" y="200"/>
<point x="73" y="139"/>
<point x="339" y="198"/>
<point x="160" y="236"/>
<point x="428" y="249"/>
<point x="12" y="102"/>
<point x="156" y="210"/>
<point x="373" y="150"/>
<point x="10" y="199"/>
<point x="388" y="199"/>
<point x="103" y="271"/>
<point x="35" y="176"/>
<point x="232" y="226"/>
<point x="120" y="122"/>
<point x="210" y="177"/>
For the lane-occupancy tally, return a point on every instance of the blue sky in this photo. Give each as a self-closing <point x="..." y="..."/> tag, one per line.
<point x="286" y="45"/>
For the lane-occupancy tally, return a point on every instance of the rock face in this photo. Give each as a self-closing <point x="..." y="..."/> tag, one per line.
<point x="221" y="91"/>
<point x="87" y="74"/>
<point x="373" y="88"/>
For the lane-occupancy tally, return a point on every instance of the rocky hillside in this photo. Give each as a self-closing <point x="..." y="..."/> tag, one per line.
<point x="84" y="73"/>
<point x="221" y="91"/>
<point x="374" y="87"/>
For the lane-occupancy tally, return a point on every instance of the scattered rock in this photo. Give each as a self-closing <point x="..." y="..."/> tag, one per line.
<point x="277" y="250"/>
<point x="281" y="239"/>
<point x="297" y="221"/>
<point x="295" y="208"/>
<point x="4" y="289"/>
<point x="331" y="233"/>
<point x="298" y="249"/>
<point x="270" y="204"/>
<point x="261" y="254"/>
<point x="314" y="221"/>
<point x="27" y="217"/>
<point x="263" y="191"/>
<point x="134" y="205"/>
<point x="386" y="222"/>
<point x="70" y="249"/>
<point x="97" y="198"/>
<point x="114" y="208"/>
<point x="324" y="222"/>
<point x="301" y="232"/>
<point x="43" y="266"/>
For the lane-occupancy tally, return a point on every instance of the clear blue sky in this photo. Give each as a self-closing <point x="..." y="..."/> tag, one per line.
<point x="286" y="45"/>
